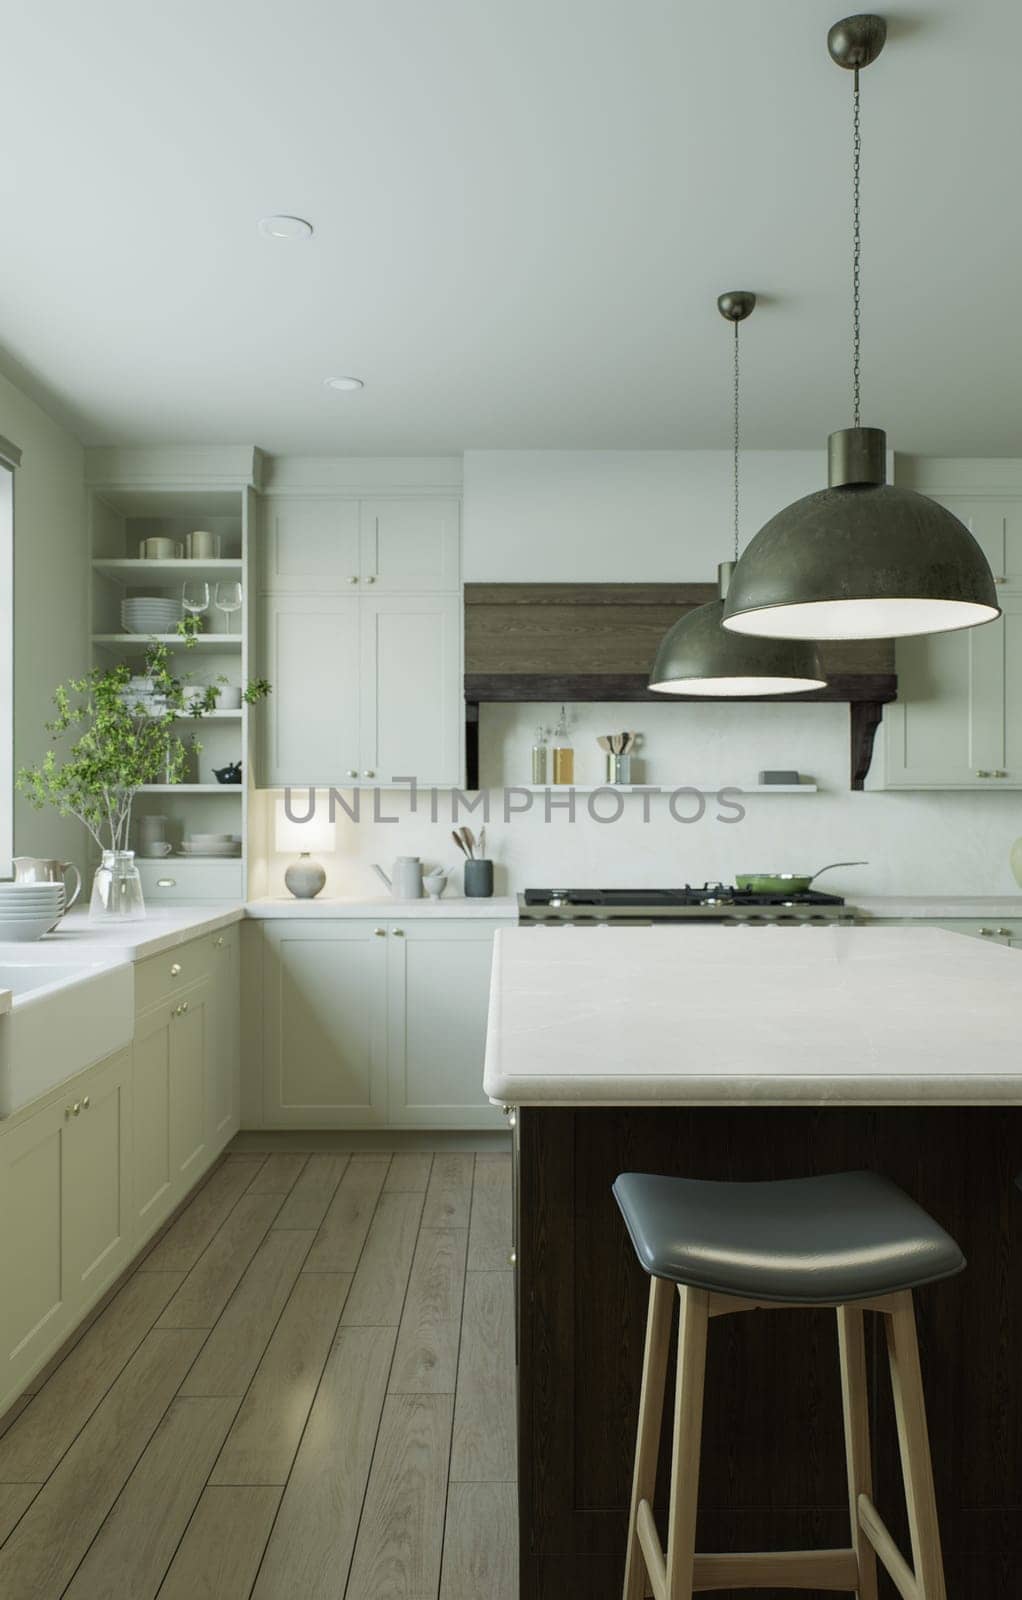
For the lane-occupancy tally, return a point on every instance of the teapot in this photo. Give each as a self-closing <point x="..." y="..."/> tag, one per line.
<point x="407" y="881"/>
<point x="43" y="869"/>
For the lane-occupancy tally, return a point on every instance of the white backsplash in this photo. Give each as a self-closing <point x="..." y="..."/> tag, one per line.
<point x="915" y="843"/>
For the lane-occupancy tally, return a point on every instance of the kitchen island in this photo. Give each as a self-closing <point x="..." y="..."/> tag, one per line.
<point x="742" y="1053"/>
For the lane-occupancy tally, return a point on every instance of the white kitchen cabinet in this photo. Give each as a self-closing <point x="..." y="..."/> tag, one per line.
<point x="412" y="708"/>
<point x="375" y="1023"/>
<point x="64" y="1180"/>
<point x="438" y="995"/>
<point x="310" y="543"/>
<point x="996" y="525"/>
<point x="171" y="1130"/>
<point x="363" y="690"/>
<point x="224" y="1064"/>
<point x="411" y="545"/>
<point x="324" y="1034"/>
<point x="957" y="722"/>
<point x="309" y="724"/>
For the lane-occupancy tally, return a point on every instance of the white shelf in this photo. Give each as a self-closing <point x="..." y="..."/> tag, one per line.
<point x="164" y="573"/>
<point x="661" y="788"/>
<point x="218" y="643"/>
<point x="193" y="788"/>
<point x="208" y="716"/>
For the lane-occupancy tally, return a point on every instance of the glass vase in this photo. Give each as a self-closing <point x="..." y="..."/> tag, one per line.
<point x="117" y="889"/>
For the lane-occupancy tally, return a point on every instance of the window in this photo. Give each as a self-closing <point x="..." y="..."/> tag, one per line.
<point x="10" y="456"/>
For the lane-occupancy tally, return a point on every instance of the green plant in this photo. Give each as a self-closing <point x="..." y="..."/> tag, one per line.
<point x="117" y="746"/>
<point x="256" y="689"/>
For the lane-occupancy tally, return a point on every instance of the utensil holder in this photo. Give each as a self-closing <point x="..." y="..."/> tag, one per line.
<point x="478" y="880"/>
<point x="619" y="768"/>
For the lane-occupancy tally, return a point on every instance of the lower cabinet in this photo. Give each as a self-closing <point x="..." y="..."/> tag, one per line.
<point x="171" y="1120"/>
<point x="65" y="1173"/>
<point x="223" y="1067"/>
<point x="376" y="1024"/>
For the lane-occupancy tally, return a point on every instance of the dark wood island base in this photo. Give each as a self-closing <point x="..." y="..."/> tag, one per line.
<point x="773" y="1473"/>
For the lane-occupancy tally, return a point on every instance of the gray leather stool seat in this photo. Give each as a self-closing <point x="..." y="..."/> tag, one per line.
<point x="810" y="1241"/>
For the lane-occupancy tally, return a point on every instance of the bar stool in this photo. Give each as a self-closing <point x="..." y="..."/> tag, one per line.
<point x="851" y="1240"/>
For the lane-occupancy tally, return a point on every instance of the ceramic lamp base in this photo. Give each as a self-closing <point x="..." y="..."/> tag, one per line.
<point x="305" y="877"/>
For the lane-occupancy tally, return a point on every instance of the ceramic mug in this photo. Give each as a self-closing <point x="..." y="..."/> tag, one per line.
<point x="159" y="549"/>
<point x="154" y="848"/>
<point x="202" y="546"/>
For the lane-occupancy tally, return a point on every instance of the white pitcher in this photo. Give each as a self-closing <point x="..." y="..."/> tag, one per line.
<point x="42" y="869"/>
<point x="406" y="883"/>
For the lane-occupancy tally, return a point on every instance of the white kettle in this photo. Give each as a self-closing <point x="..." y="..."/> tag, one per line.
<point x="406" y="883"/>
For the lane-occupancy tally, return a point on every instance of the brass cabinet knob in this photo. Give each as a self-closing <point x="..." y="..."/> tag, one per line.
<point x="368" y="773"/>
<point x="371" y="580"/>
<point x="1004" y="933"/>
<point x="987" y="933"/>
<point x="399" y="933"/>
<point x="981" y="772"/>
<point x="352" y="772"/>
<point x="380" y="933"/>
<point x="218" y="942"/>
<point x="175" y="970"/>
<point x="184" y="1005"/>
<point x="86" y="1102"/>
<point x="75" y="1109"/>
<point x="352" y="580"/>
<point x="512" y="1258"/>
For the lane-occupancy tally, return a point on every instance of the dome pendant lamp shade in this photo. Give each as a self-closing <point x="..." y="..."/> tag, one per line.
<point x="696" y="656"/>
<point x="861" y="559"/>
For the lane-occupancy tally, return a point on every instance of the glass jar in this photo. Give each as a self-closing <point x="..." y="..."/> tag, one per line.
<point x="117" y="889"/>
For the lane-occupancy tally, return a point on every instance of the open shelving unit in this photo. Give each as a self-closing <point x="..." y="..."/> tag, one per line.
<point x="122" y="514"/>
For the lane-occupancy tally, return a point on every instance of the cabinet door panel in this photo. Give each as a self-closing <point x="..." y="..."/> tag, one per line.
<point x="324" y="1039"/>
<point x="1010" y="627"/>
<point x="996" y="525"/>
<point x="411" y="688"/>
<point x="309" y="724"/>
<point x="411" y="545"/>
<point x="154" y="1173"/>
<point x="32" y="1303"/>
<point x="310" y="542"/>
<point x="97" y="1224"/>
<point x="438" y="1000"/>
<point x="947" y="725"/>
<point x="188" y="1052"/>
<point x="224" y="1065"/>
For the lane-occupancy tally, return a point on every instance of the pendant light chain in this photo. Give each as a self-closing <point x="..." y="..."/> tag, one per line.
<point x="736" y="442"/>
<point x="856" y="252"/>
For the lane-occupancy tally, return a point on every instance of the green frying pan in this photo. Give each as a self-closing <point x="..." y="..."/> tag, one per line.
<point x="786" y="882"/>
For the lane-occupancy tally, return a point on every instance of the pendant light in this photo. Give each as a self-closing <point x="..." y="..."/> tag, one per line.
<point x="861" y="559"/>
<point x="696" y="656"/>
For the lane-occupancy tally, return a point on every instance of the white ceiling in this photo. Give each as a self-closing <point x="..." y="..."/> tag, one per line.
<point x="524" y="211"/>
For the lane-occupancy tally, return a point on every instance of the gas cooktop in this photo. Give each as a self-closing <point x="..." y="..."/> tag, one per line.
<point x="720" y="902"/>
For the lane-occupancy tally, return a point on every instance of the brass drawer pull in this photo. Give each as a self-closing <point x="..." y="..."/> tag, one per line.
<point x="175" y="970"/>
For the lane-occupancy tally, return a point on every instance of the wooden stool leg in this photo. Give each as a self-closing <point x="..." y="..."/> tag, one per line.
<point x="688" y="1431"/>
<point x="914" y="1444"/>
<point x="855" y="1402"/>
<point x="651" y="1411"/>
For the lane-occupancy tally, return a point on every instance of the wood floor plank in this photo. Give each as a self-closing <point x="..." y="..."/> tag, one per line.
<point x="489" y="1240"/>
<point x="306" y="1205"/>
<point x="186" y="1238"/>
<point x="483" y="1445"/>
<point x="426" y="1358"/>
<point x="449" y="1196"/>
<point x="342" y="1234"/>
<point x="481" y="1542"/>
<point x="261" y="1445"/>
<point x="235" y="1347"/>
<point x="378" y="1292"/>
<point x="15" y="1499"/>
<point x="409" y="1170"/>
<point x="136" y="1543"/>
<point x="42" y="1553"/>
<point x="14" y="1411"/>
<point x="311" y="1545"/>
<point x="220" y="1553"/>
<point x="279" y="1173"/>
<point x="214" y="1277"/>
<point x="36" y="1440"/>
<point x="399" y="1546"/>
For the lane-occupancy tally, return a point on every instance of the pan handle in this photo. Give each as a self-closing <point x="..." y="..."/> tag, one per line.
<point x="832" y="864"/>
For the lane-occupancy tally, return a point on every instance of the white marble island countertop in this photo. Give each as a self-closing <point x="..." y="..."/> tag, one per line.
<point x="718" y="1015"/>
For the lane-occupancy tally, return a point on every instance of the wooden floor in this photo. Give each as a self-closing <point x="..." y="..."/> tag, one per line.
<point x="304" y="1392"/>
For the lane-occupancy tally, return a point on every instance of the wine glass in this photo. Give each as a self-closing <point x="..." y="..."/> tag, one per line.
<point x="227" y="597"/>
<point x="195" y="596"/>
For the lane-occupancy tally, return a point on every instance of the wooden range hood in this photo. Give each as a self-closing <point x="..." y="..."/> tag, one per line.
<point x="596" y="641"/>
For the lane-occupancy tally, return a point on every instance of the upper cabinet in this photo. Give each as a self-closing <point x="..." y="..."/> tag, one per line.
<point x="332" y="544"/>
<point x="957" y="722"/>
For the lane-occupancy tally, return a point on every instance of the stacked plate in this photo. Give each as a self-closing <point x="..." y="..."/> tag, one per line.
<point x="221" y="845"/>
<point x="142" y="614"/>
<point x="28" y="910"/>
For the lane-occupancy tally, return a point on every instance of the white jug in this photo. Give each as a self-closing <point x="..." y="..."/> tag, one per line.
<point x="406" y="883"/>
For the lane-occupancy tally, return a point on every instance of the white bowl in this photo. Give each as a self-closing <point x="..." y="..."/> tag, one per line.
<point x="24" y="932"/>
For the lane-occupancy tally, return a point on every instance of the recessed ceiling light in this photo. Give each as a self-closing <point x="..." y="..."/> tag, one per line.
<point x="283" y="227"/>
<point x="344" y="383"/>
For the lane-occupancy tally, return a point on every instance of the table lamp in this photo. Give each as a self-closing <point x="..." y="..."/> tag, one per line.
<point x="304" y="877"/>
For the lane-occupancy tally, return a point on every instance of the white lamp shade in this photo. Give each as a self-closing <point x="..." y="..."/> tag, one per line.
<point x="316" y="836"/>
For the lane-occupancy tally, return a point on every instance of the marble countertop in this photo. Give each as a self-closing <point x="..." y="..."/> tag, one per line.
<point x="132" y="941"/>
<point x="740" y="1015"/>
<point x="943" y="906"/>
<point x="503" y="907"/>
